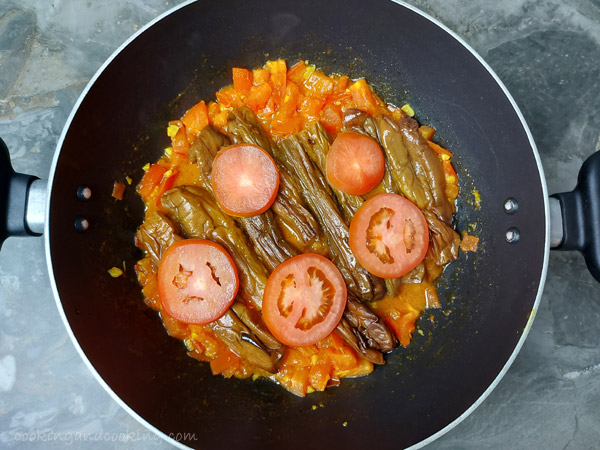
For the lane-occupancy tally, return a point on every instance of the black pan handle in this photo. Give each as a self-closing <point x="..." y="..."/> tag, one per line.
<point x="20" y="200"/>
<point x="580" y="211"/>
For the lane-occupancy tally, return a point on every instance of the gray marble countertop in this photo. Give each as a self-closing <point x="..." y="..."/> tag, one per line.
<point x="547" y="52"/>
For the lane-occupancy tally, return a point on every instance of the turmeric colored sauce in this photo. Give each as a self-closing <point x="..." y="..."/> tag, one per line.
<point x="401" y="311"/>
<point x="285" y="102"/>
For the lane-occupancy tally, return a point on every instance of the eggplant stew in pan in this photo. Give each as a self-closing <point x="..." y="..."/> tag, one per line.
<point x="269" y="205"/>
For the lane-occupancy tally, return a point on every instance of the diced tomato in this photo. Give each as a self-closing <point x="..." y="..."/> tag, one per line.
<point x="296" y="73"/>
<point x="342" y="84"/>
<point x="441" y="151"/>
<point x="174" y="327"/>
<point x="284" y="125"/>
<point x="259" y="96"/>
<point x="245" y="180"/>
<point x="197" y="281"/>
<point x="196" y="118"/>
<point x="389" y="235"/>
<point x="345" y="359"/>
<point x="304" y="299"/>
<point x="225" y="363"/>
<point x="167" y="183"/>
<point x="179" y="141"/>
<point x="331" y="118"/>
<point x="216" y="115"/>
<point x="278" y="71"/>
<point x="290" y="100"/>
<point x="354" y="163"/>
<point x="403" y="323"/>
<point x="363" y="97"/>
<point x="450" y="173"/>
<point x="319" y="84"/>
<point x="205" y="341"/>
<point x="297" y="381"/>
<point x="150" y="180"/>
<point x="229" y="97"/>
<point x="242" y="80"/>
<point x="285" y="120"/>
<point x="398" y="312"/>
<point x="311" y="107"/>
<point x="319" y="375"/>
<point x="260" y="76"/>
<point x="468" y="242"/>
<point x="343" y="99"/>
<point x="452" y="191"/>
<point x="118" y="190"/>
<point x="427" y="132"/>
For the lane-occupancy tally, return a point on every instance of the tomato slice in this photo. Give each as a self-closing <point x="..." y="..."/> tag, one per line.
<point x="304" y="299"/>
<point x="245" y="180"/>
<point x="197" y="281"/>
<point x="355" y="163"/>
<point x="389" y="235"/>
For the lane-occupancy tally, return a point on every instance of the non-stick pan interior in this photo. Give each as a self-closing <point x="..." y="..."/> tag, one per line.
<point x="487" y="296"/>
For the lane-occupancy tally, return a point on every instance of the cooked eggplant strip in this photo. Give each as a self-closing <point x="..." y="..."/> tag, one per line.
<point x="357" y="342"/>
<point x="200" y="217"/>
<point x="359" y="121"/>
<point x="445" y="241"/>
<point x="267" y="240"/>
<point x="398" y="159"/>
<point x="238" y="337"/>
<point x="251" y="318"/>
<point x="377" y="334"/>
<point x="316" y="194"/>
<point x="316" y="142"/>
<point x="155" y="235"/>
<point x="417" y="275"/>
<point x="244" y="126"/>
<point x="427" y="167"/>
<point x="417" y="169"/>
<point x="295" y="221"/>
<point x="263" y="232"/>
<point x="298" y="225"/>
<point x="208" y="143"/>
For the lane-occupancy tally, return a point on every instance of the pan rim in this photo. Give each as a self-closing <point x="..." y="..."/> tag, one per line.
<point x="48" y="252"/>
<point x="401" y="3"/>
<point x="546" y="258"/>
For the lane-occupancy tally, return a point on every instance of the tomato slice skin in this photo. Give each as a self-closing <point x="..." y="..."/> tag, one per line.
<point x="389" y="235"/>
<point x="304" y="299"/>
<point x="245" y="180"/>
<point x="355" y="163"/>
<point x="197" y="281"/>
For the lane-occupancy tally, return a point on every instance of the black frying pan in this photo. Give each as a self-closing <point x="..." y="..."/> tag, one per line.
<point x="187" y="55"/>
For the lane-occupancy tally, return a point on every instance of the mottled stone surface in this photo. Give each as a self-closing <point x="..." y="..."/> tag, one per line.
<point x="547" y="52"/>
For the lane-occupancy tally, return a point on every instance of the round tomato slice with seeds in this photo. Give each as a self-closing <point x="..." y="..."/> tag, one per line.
<point x="389" y="235"/>
<point x="197" y="281"/>
<point x="304" y="299"/>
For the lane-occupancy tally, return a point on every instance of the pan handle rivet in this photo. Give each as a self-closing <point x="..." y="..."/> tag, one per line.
<point x="513" y="235"/>
<point x="84" y="193"/>
<point x="81" y="224"/>
<point x="510" y="205"/>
